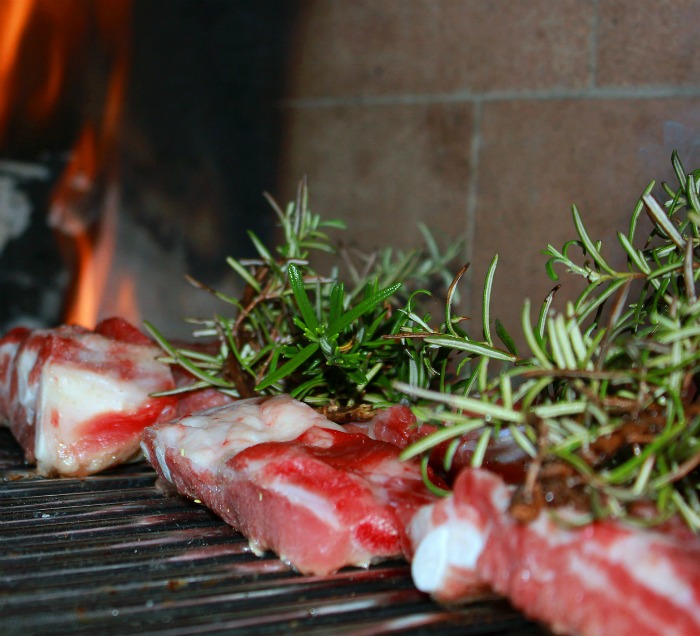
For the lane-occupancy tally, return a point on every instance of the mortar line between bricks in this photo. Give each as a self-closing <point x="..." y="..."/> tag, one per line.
<point x="593" y="43"/>
<point x="472" y="200"/>
<point x="552" y="94"/>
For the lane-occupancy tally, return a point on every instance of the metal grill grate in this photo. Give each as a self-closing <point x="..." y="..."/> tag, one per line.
<point x="111" y="554"/>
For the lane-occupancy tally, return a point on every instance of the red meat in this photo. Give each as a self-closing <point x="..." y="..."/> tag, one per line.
<point x="78" y="400"/>
<point x="603" y="578"/>
<point x="292" y="481"/>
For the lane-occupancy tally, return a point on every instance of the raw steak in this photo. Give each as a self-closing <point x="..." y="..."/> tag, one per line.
<point x="77" y="400"/>
<point x="292" y="481"/>
<point x="602" y="578"/>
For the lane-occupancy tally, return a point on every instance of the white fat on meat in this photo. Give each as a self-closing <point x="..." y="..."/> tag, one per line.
<point x="211" y="437"/>
<point x="72" y="396"/>
<point x="77" y="400"/>
<point x="451" y="546"/>
<point x="27" y="392"/>
<point x="449" y="540"/>
<point x="299" y="496"/>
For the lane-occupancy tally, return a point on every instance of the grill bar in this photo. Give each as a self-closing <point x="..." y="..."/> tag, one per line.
<point x="112" y="554"/>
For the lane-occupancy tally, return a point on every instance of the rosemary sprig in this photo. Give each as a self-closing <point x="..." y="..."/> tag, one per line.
<point x="606" y="403"/>
<point x="608" y="400"/>
<point x="319" y="337"/>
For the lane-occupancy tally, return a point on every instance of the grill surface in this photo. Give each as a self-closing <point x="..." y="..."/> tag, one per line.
<point x="111" y="554"/>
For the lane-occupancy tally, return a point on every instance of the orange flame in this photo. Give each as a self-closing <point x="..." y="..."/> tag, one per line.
<point x="49" y="38"/>
<point x="93" y="163"/>
<point x="126" y="304"/>
<point x="38" y="39"/>
<point x="83" y="306"/>
<point x="94" y="256"/>
<point x="14" y="16"/>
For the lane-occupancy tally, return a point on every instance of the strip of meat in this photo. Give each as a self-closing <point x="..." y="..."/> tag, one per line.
<point x="77" y="400"/>
<point x="603" y="578"/>
<point x="292" y="481"/>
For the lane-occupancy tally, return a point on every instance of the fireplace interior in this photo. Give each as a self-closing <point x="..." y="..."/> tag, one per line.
<point x="136" y="143"/>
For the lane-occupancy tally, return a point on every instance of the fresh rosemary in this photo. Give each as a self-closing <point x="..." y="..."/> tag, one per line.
<point x="315" y="336"/>
<point x="607" y="405"/>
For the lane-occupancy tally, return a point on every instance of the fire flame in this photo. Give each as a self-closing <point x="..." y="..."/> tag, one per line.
<point x="14" y="15"/>
<point x="93" y="164"/>
<point x="38" y="38"/>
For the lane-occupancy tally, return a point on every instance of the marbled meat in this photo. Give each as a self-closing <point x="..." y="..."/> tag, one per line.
<point x="292" y="481"/>
<point x="603" y="578"/>
<point x="77" y="400"/>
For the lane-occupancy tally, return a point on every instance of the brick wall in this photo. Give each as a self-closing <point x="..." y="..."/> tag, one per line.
<point x="489" y="119"/>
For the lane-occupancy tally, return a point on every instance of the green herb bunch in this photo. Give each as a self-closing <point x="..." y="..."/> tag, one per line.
<point x="606" y="407"/>
<point x="318" y="337"/>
